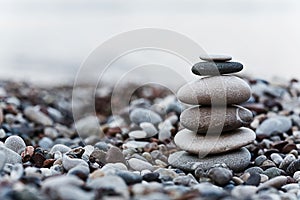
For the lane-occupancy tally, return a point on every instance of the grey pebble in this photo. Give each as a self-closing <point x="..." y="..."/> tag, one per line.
<point x="215" y="57"/>
<point x="272" y="172"/>
<point x="110" y="182"/>
<point x="149" y="129"/>
<point x="69" y="163"/>
<point x="293" y="167"/>
<point x="15" y="143"/>
<point x="260" y="159"/>
<point x="289" y="158"/>
<point x="254" y="179"/>
<point x="139" y="165"/>
<point x="114" y="155"/>
<point x="61" y="148"/>
<point x="243" y="191"/>
<point x="188" y="162"/>
<point x="254" y="170"/>
<point x="45" y="143"/>
<point x="276" y="182"/>
<point x="129" y="177"/>
<point x="11" y="156"/>
<point x="216" y="68"/>
<point x="35" y="115"/>
<point x="221" y="176"/>
<point x="88" y="126"/>
<point x="140" y="115"/>
<point x="101" y="146"/>
<point x="2" y="159"/>
<point x="274" y="125"/>
<point x="277" y="159"/>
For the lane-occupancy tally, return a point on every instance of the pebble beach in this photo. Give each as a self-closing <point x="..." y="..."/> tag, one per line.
<point x="42" y="156"/>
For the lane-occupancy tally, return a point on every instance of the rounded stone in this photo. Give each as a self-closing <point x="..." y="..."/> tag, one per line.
<point x="149" y="129"/>
<point x="215" y="90"/>
<point x="236" y="160"/>
<point x="200" y="119"/>
<point x="140" y="115"/>
<point x="15" y="143"/>
<point x="137" y="134"/>
<point x="200" y="144"/>
<point x="139" y="165"/>
<point x="221" y="176"/>
<point x="11" y="156"/>
<point x="214" y="57"/>
<point x="216" y="68"/>
<point x="274" y="125"/>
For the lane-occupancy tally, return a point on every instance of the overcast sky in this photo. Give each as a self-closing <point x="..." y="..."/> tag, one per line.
<point x="47" y="41"/>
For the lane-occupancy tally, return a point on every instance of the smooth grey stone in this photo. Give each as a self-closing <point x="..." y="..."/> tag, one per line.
<point x="277" y="159"/>
<point x="149" y="129"/>
<point x="139" y="165"/>
<point x="214" y="57"/>
<point x="276" y="182"/>
<point x="11" y="156"/>
<point x="88" y="126"/>
<point x="2" y="159"/>
<point x="200" y="118"/>
<point x="139" y="115"/>
<point x="293" y="167"/>
<point x="46" y="143"/>
<point x="288" y="159"/>
<point x="260" y="159"/>
<point x="137" y="134"/>
<point x="35" y="115"/>
<point x="274" y="125"/>
<point x="61" y="148"/>
<point x="236" y="160"/>
<point x="216" y="68"/>
<point x="272" y="172"/>
<point x="219" y="175"/>
<point x="130" y="177"/>
<point x="201" y="144"/>
<point x="114" y="155"/>
<point x="101" y="146"/>
<point x="254" y="170"/>
<point x="254" y="179"/>
<point x="68" y="163"/>
<point x="209" y="190"/>
<point x="244" y="191"/>
<point x="215" y="90"/>
<point x="15" y="143"/>
<point x="110" y="182"/>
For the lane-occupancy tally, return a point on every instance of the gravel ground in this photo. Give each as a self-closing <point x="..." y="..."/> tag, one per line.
<point x="126" y="156"/>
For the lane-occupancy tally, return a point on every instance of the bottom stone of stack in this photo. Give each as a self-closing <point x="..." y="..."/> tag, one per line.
<point x="236" y="160"/>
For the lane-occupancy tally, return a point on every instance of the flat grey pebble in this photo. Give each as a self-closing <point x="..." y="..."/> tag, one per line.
<point x="35" y="115"/>
<point x="140" y="115"/>
<point x="149" y="129"/>
<point x="254" y="179"/>
<point x="139" y="165"/>
<point x="61" y="148"/>
<point x="277" y="159"/>
<point x="69" y="163"/>
<point x="130" y="177"/>
<point x="11" y="156"/>
<point x="259" y="160"/>
<point x="254" y="170"/>
<point x="45" y="143"/>
<point x="276" y="182"/>
<point x="272" y="172"/>
<point x="114" y="155"/>
<point x="15" y="143"/>
<point x="289" y="158"/>
<point x="243" y="191"/>
<point x="101" y="146"/>
<point x="274" y="125"/>
<point x="88" y="126"/>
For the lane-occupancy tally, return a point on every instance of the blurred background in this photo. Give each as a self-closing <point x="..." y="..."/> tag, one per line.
<point x="45" y="42"/>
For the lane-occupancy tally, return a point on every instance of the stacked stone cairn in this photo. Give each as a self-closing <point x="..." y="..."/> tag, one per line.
<point x="213" y="128"/>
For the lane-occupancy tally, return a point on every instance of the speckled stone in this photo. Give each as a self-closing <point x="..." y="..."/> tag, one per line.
<point x="236" y="160"/>
<point x="215" y="90"/>
<point x="139" y="165"/>
<point x="274" y="125"/>
<point x="200" y="118"/>
<point x="195" y="143"/>
<point x="216" y="68"/>
<point x="35" y="115"/>
<point x="15" y="143"/>
<point x="11" y="156"/>
<point x="140" y="115"/>
<point x="214" y="57"/>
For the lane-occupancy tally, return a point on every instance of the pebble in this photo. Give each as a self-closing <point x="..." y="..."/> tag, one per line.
<point x="201" y="118"/>
<point x="51" y="132"/>
<point x="214" y="57"/>
<point x="276" y="182"/>
<point x="15" y="143"/>
<point x="35" y="115"/>
<point x="274" y="125"/>
<point x="68" y="163"/>
<point x="277" y="159"/>
<point x="293" y="167"/>
<point x="139" y="165"/>
<point x="216" y="68"/>
<point x="188" y="162"/>
<point x="272" y="172"/>
<point x="149" y="129"/>
<point x="139" y="115"/>
<point x="263" y="178"/>
<point x="216" y="89"/>
<point x="130" y="177"/>
<point x="2" y="160"/>
<point x="254" y="179"/>
<point x="98" y="156"/>
<point x="61" y="148"/>
<point x="2" y="133"/>
<point x="88" y="126"/>
<point x="254" y="170"/>
<point x="138" y="134"/>
<point x="115" y="183"/>
<point x="45" y="143"/>
<point x="101" y="146"/>
<point x="243" y="192"/>
<point x="289" y="158"/>
<point x="221" y="176"/>
<point x="196" y="143"/>
<point x="296" y="176"/>
<point x="11" y="156"/>
<point x="260" y="159"/>
<point x="152" y="176"/>
<point x="115" y="155"/>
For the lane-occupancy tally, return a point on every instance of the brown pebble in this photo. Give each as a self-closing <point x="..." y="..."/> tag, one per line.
<point x="38" y="159"/>
<point x="96" y="174"/>
<point x="114" y="155"/>
<point x="48" y="163"/>
<point x="289" y="147"/>
<point x="279" y="145"/>
<point x="27" y="153"/>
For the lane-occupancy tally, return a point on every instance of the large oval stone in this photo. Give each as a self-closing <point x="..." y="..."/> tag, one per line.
<point x="200" y="118"/>
<point x="236" y="160"/>
<point x="216" y="68"/>
<point x="215" y="90"/>
<point x="211" y="144"/>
